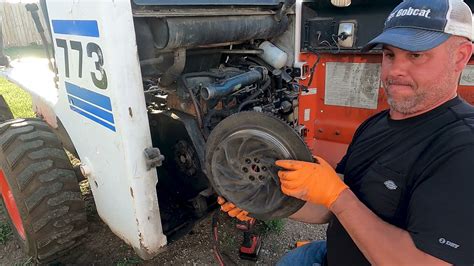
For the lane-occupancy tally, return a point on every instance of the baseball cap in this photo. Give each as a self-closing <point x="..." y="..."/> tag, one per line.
<point x="420" y="25"/>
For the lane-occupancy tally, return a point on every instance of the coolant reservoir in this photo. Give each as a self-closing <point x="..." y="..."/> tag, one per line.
<point x="341" y="3"/>
<point x="273" y="55"/>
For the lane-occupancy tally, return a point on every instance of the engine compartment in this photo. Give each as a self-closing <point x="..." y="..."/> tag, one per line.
<point x="201" y="66"/>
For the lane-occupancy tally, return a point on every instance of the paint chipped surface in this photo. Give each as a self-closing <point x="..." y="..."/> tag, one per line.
<point x="352" y="84"/>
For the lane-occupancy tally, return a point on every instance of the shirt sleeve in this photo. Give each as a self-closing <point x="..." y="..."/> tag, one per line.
<point x="441" y="209"/>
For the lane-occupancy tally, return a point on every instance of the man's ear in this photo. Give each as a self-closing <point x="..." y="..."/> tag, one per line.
<point x="464" y="53"/>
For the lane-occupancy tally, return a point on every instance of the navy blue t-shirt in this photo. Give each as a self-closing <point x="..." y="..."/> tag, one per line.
<point x="417" y="174"/>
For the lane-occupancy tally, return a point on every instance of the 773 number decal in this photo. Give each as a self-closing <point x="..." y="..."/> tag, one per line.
<point x="98" y="76"/>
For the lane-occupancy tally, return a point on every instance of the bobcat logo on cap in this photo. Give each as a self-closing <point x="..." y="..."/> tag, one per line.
<point x="419" y="12"/>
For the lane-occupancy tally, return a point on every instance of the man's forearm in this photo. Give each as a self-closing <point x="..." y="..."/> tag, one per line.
<point x="312" y="213"/>
<point x="380" y="242"/>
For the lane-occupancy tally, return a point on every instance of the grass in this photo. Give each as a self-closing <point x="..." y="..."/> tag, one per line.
<point x="273" y="226"/>
<point x="129" y="261"/>
<point x="18" y="100"/>
<point x="229" y="240"/>
<point x="5" y="232"/>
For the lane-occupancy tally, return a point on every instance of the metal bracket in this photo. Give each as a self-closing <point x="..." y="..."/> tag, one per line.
<point x="154" y="158"/>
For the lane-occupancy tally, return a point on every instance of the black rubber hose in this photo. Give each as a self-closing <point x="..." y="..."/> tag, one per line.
<point x="196" y="107"/>
<point x="191" y="93"/>
<point x="204" y="73"/>
<point x="247" y="103"/>
<point x="251" y="98"/>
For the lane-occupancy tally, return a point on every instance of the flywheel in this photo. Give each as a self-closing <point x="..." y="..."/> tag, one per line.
<point x="240" y="155"/>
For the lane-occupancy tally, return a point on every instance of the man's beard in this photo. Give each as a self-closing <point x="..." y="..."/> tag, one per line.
<point x="421" y="99"/>
<point x="405" y="105"/>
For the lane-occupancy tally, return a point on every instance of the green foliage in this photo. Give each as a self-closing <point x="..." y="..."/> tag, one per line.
<point x="5" y="232"/>
<point x="18" y="100"/>
<point x="229" y="240"/>
<point x="273" y="226"/>
<point x="129" y="261"/>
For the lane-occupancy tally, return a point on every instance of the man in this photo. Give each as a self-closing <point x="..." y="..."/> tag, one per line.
<point x="408" y="190"/>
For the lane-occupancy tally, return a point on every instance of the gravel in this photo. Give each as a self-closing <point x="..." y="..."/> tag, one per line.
<point x="102" y="247"/>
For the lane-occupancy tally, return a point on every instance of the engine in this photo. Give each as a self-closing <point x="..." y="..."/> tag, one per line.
<point x="239" y="82"/>
<point x="222" y="97"/>
<point x="215" y="66"/>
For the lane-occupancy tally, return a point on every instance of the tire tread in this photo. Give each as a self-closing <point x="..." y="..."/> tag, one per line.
<point x="45" y="188"/>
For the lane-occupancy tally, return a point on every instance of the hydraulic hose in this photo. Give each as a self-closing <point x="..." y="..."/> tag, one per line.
<point x="251" y="98"/>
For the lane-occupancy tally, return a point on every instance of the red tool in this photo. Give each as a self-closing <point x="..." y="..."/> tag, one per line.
<point x="250" y="248"/>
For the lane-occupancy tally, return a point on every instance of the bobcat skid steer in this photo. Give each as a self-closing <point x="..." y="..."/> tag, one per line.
<point x="170" y="103"/>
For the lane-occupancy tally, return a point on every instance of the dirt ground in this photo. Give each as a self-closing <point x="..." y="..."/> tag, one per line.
<point x="102" y="247"/>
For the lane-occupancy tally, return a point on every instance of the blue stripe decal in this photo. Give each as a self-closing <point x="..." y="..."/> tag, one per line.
<point x="89" y="96"/>
<point x="91" y="109"/>
<point x="93" y="118"/>
<point x="87" y="28"/>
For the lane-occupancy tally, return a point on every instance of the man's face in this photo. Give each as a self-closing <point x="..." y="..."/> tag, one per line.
<point x="414" y="82"/>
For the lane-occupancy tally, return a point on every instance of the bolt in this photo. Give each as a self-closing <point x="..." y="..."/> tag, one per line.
<point x="264" y="168"/>
<point x="85" y="170"/>
<point x="248" y="161"/>
<point x="252" y="178"/>
<point x="256" y="160"/>
<point x="245" y="169"/>
<point x="261" y="177"/>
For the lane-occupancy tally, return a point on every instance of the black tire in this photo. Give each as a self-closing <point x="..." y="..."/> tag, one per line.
<point x="5" y="113"/>
<point x="44" y="187"/>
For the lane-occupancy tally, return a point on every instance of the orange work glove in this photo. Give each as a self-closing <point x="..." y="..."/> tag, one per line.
<point x="314" y="182"/>
<point x="232" y="210"/>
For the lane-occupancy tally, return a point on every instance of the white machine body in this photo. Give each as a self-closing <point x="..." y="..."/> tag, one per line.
<point x="99" y="100"/>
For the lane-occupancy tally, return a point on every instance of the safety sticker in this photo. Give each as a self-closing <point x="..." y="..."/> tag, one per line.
<point x="307" y="114"/>
<point x="310" y="91"/>
<point x="467" y="76"/>
<point x="352" y="84"/>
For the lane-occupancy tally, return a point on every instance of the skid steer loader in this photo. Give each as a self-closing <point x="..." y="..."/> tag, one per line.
<point x="168" y="103"/>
